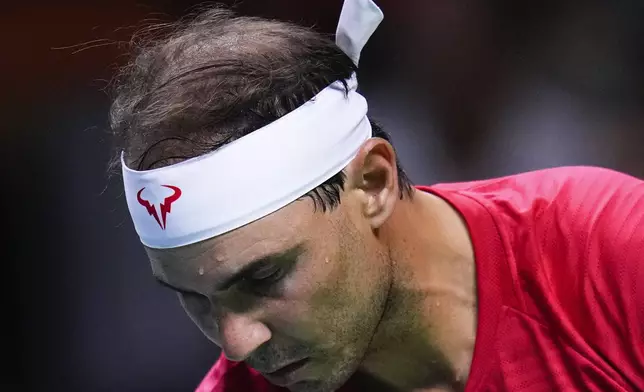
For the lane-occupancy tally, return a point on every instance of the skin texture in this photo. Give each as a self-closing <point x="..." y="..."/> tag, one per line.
<point x="378" y="291"/>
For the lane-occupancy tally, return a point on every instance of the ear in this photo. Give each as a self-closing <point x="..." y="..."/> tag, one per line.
<point x="374" y="174"/>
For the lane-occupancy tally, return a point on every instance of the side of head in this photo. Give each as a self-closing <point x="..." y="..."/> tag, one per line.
<point x="308" y="281"/>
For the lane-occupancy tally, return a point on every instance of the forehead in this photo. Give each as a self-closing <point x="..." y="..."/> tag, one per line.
<point x="273" y="233"/>
<point x="279" y="231"/>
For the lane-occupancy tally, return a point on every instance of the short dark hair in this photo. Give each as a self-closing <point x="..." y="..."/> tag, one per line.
<point x="216" y="77"/>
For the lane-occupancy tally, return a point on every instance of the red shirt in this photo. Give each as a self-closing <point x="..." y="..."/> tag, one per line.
<point x="560" y="279"/>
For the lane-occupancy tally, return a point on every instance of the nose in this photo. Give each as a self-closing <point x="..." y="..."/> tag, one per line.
<point x="237" y="333"/>
<point x="240" y="335"/>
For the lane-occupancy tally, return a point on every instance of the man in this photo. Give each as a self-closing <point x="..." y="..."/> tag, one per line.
<point x="278" y="211"/>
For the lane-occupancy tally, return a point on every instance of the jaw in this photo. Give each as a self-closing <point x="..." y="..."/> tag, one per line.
<point x="431" y="275"/>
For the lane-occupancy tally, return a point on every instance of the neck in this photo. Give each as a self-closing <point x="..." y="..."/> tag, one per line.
<point x="426" y="337"/>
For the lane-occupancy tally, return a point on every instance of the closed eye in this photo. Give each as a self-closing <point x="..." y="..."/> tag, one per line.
<point x="267" y="275"/>
<point x="264" y="281"/>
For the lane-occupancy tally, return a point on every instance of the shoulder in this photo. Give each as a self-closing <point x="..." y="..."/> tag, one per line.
<point x="590" y="242"/>
<point x="550" y="183"/>
<point x="566" y="221"/>
<point x="574" y="239"/>
<point x="531" y="198"/>
<point x="576" y="245"/>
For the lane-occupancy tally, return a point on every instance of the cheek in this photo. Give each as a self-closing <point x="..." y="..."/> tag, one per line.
<point x="329" y="292"/>
<point x="350" y="298"/>
<point x="323" y="297"/>
<point x="306" y="298"/>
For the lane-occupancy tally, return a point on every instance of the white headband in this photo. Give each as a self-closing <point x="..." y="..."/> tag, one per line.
<point x="264" y="171"/>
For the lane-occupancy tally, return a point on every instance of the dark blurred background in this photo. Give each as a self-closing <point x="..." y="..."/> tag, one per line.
<point x="468" y="89"/>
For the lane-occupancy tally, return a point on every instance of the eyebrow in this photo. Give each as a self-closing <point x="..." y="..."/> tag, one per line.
<point x="247" y="270"/>
<point x="175" y="288"/>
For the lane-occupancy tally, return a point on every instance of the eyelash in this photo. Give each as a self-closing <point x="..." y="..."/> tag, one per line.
<point x="274" y="276"/>
<point x="267" y="282"/>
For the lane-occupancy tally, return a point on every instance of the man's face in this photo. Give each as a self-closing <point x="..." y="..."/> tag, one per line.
<point x="295" y="285"/>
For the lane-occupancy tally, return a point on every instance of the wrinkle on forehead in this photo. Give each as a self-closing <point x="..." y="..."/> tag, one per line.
<point x="273" y="233"/>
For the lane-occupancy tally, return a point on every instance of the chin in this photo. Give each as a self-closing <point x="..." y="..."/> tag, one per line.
<point x="316" y="386"/>
<point x="328" y="381"/>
